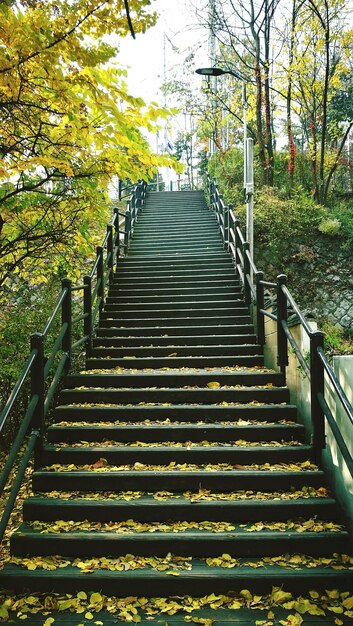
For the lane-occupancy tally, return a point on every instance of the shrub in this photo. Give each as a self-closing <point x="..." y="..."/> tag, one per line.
<point x="282" y="225"/>
<point x="330" y="226"/>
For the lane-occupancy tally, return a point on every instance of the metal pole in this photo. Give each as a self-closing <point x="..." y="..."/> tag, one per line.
<point x="245" y="134"/>
<point x="250" y="195"/>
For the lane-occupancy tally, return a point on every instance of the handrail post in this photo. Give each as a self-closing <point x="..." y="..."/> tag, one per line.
<point x="317" y="387"/>
<point x="260" y="305"/>
<point x="127" y="229"/>
<point x="38" y="388"/>
<point x="116" y="236"/>
<point x="66" y="318"/>
<point x="87" y="310"/>
<point x="100" y="276"/>
<point x="138" y="202"/>
<point x="214" y="190"/>
<point x="236" y="242"/>
<point x="219" y="208"/>
<point x="282" y="316"/>
<point x="227" y="225"/>
<point x="133" y="210"/>
<point x="246" y="270"/>
<point x="110" y="250"/>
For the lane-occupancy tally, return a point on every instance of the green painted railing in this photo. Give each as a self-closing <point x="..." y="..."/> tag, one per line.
<point x="254" y="287"/>
<point x="45" y="365"/>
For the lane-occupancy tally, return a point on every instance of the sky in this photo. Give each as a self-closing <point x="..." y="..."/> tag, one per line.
<point x="152" y="57"/>
<point x="145" y="54"/>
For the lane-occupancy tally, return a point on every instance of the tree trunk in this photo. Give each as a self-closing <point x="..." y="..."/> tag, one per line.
<point x="267" y="97"/>
<point x="291" y="143"/>
<point x="260" y="134"/>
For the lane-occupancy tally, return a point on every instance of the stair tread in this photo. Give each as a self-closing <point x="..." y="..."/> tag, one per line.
<point x="200" y="570"/>
<point x="171" y="434"/>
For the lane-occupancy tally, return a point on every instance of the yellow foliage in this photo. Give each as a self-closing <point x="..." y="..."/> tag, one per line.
<point x="68" y="124"/>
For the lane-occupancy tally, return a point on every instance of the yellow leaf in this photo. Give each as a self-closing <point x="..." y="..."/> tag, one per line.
<point x="333" y="594"/>
<point x="280" y="596"/>
<point x="88" y="615"/>
<point x="213" y="385"/>
<point x="82" y="595"/>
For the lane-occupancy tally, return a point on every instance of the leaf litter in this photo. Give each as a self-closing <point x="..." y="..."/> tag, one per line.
<point x="131" y="526"/>
<point x="203" y="494"/>
<point x="132" y="609"/>
<point x="240" y="443"/>
<point x="101" y="465"/>
<point x="179" y="563"/>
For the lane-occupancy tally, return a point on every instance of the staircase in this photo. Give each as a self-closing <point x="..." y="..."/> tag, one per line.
<point x="176" y="444"/>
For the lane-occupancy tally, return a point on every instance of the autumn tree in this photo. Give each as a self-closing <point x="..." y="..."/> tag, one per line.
<point x="67" y="124"/>
<point x="244" y="34"/>
<point x="315" y="66"/>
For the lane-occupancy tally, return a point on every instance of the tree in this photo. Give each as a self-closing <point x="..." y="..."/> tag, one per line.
<point x="67" y="125"/>
<point x="244" y="32"/>
<point x="318" y="66"/>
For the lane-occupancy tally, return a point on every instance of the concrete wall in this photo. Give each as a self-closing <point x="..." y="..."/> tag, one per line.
<point x="299" y="387"/>
<point x="340" y="477"/>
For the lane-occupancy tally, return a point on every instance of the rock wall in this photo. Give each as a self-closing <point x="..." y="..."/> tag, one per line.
<point x="320" y="275"/>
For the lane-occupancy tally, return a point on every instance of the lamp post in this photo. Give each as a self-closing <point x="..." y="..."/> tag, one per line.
<point x="248" y="154"/>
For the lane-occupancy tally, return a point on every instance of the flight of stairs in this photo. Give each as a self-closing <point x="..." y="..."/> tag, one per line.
<point x="176" y="444"/>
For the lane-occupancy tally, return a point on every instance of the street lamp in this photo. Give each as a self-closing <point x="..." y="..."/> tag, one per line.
<point x="248" y="154"/>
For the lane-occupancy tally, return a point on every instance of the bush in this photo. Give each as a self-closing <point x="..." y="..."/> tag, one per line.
<point x="330" y="226"/>
<point x="337" y="339"/>
<point x="282" y="225"/>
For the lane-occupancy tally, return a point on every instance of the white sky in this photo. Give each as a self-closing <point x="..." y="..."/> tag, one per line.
<point x="144" y="55"/>
<point x="143" y="58"/>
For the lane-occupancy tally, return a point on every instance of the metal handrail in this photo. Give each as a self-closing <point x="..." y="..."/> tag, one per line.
<point x="39" y="368"/>
<point x="16" y="389"/>
<point x="319" y="364"/>
<point x="57" y="308"/>
<point x="337" y="385"/>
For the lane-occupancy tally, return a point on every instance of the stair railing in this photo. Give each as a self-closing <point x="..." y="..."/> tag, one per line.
<point x="134" y="206"/>
<point x="318" y="364"/>
<point x="43" y="371"/>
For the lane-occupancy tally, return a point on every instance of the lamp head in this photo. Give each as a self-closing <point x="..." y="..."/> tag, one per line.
<point x="210" y="71"/>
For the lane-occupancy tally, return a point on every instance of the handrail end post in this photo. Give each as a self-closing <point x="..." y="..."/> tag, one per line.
<point x="260" y="305"/>
<point x="66" y="318"/>
<point x="317" y="388"/>
<point x="100" y="276"/>
<point x="127" y="230"/>
<point x="110" y="249"/>
<point x="87" y="310"/>
<point x="282" y="316"/>
<point x="247" y="290"/>
<point x="38" y="388"/>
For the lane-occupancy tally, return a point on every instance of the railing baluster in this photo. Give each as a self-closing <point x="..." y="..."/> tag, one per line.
<point x="282" y="316"/>
<point x="236" y="242"/>
<point x="66" y="318"/>
<point x="247" y="290"/>
<point x="227" y="225"/>
<point x="100" y="276"/>
<point x="138" y="202"/>
<point x="260" y="305"/>
<point x="116" y="236"/>
<point x="87" y="310"/>
<point x="110" y="251"/>
<point x="127" y="229"/>
<point x="38" y="388"/>
<point x="317" y="386"/>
